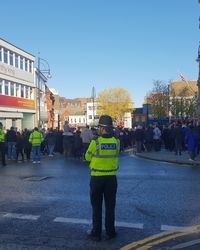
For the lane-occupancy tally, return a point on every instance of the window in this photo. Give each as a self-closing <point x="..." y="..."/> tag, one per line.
<point x="12" y="89"/>
<point x="21" y="62"/>
<point x="17" y="90"/>
<point x="5" y="55"/>
<point x="74" y="120"/>
<point x="11" y="58"/>
<point x="31" y="93"/>
<point x="1" y="86"/>
<point x="6" y="86"/>
<point x="71" y="120"/>
<point x="30" y="66"/>
<point x="26" y="64"/>
<point x="26" y="92"/>
<point x="16" y="60"/>
<point x="22" y="91"/>
<point x="1" y="59"/>
<point x="90" y="117"/>
<point x="79" y="120"/>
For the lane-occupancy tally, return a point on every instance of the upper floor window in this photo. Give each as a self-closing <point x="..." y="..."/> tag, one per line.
<point x="5" y="55"/>
<point x="79" y="120"/>
<point x="30" y="66"/>
<point x="17" y="90"/>
<point x="11" y="58"/>
<point x="12" y="89"/>
<point x="31" y="93"/>
<point x="1" y="59"/>
<point x="1" y="86"/>
<point x="6" y="87"/>
<point x="21" y="62"/>
<point x="26" y="64"/>
<point x="16" y="60"/>
<point x="27" y="92"/>
<point x="22" y="91"/>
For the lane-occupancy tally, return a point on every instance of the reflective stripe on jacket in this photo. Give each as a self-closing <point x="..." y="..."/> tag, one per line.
<point x="36" y="138"/>
<point x="2" y="135"/>
<point x="103" y="156"/>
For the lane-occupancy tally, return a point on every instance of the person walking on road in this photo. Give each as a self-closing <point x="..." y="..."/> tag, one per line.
<point x="2" y="144"/>
<point x="103" y="157"/>
<point x="36" y="138"/>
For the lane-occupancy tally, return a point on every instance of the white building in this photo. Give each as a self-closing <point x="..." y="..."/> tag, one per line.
<point x="17" y="89"/>
<point x="77" y="120"/>
<point x="92" y="117"/>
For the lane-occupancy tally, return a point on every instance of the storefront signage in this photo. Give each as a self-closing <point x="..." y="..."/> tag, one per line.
<point x="11" y="101"/>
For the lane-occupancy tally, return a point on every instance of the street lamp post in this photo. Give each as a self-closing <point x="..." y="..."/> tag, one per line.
<point x="198" y="85"/>
<point x="41" y="71"/>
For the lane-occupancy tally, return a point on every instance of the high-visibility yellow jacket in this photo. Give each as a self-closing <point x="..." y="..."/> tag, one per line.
<point x="2" y="135"/>
<point x="103" y="156"/>
<point x="36" y="138"/>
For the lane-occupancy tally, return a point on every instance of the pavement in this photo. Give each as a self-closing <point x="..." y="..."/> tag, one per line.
<point x="167" y="156"/>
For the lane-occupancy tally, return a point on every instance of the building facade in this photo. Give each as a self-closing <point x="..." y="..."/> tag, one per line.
<point x="17" y="89"/>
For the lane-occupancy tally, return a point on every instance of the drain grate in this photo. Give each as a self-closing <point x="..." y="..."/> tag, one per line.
<point x="36" y="178"/>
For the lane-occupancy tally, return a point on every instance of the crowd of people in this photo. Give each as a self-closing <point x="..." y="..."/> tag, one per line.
<point x="175" y="137"/>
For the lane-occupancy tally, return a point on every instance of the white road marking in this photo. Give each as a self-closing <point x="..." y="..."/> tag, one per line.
<point x="21" y="216"/>
<point x="186" y="244"/>
<point x="129" y="225"/>
<point x="175" y="228"/>
<point x="89" y="222"/>
<point x="72" y="220"/>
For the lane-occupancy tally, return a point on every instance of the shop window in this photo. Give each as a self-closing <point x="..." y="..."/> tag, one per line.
<point x="12" y="88"/>
<point x="5" y="55"/>
<point x="11" y="58"/>
<point x="16" y="60"/>
<point x="6" y="87"/>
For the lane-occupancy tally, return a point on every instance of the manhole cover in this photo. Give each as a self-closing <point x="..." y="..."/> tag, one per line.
<point x="36" y="178"/>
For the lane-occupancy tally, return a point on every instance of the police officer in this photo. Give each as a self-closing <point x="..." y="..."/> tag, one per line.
<point x="36" y="138"/>
<point x="102" y="154"/>
<point x="2" y="144"/>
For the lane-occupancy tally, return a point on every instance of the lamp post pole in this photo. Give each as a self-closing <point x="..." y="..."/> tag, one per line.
<point x="40" y="71"/>
<point x="198" y="85"/>
<point x="38" y="93"/>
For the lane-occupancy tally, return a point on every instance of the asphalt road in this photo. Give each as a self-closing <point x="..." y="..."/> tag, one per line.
<point x="47" y="206"/>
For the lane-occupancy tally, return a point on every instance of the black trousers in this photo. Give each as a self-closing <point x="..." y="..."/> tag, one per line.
<point x="103" y="188"/>
<point x="3" y="152"/>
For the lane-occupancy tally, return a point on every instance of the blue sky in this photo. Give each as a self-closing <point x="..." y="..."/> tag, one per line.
<point x="106" y="43"/>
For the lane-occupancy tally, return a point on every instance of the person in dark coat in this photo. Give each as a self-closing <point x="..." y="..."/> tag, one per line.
<point x="78" y="145"/>
<point x="178" y="138"/>
<point x="27" y="144"/>
<point x="19" y="146"/>
<point x="148" y="138"/>
<point x="139" y="138"/>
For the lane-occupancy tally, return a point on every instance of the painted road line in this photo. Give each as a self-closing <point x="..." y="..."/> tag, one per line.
<point x="21" y="216"/>
<point x="146" y="240"/>
<point x="186" y="244"/>
<point x="72" y="220"/>
<point x="175" y="228"/>
<point x="171" y="237"/>
<point x="129" y="225"/>
<point x="89" y="222"/>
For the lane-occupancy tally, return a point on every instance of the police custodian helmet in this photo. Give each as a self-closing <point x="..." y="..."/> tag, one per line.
<point x="105" y="121"/>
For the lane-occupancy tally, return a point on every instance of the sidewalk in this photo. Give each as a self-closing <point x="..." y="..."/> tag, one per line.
<point x="167" y="156"/>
